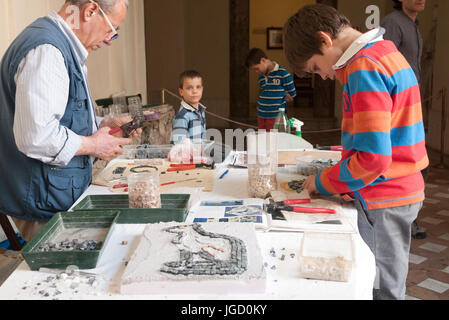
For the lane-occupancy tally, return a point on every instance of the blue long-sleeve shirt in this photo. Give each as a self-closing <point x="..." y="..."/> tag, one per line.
<point x="274" y="89"/>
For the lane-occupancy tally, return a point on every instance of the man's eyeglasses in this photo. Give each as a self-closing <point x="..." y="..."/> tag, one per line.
<point x="115" y="36"/>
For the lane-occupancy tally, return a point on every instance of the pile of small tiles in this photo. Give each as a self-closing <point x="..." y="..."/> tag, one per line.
<point x="144" y="195"/>
<point x="259" y="185"/>
<point x="315" y="167"/>
<point x="68" y="282"/>
<point x="73" y="245"/>
<point x="145" y="152"/>
<point x="237" y="264"/>
<point x="296" y="185"/>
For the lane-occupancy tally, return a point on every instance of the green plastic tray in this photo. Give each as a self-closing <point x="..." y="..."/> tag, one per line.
<point x="68" y="220"/>
<point x="174" y="208"/>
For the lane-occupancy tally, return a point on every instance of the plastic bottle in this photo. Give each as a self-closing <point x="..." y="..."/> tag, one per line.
<point x="298" y="125"/>
<point x="282" y="124"/>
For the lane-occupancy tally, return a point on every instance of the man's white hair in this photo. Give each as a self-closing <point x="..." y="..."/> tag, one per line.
<point x="106" y="5"/>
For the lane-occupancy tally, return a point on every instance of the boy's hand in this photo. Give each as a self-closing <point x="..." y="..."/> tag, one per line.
<point x="310" y="186"/>
<point x="289" y="98"/>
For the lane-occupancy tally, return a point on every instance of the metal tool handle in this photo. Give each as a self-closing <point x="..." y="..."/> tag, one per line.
<point x="114" y="131"/>
<point x="183" y="168"/>
<point x="313" y="210"/>
<point x="297" y="201"/>
<point x="180" y="165"/>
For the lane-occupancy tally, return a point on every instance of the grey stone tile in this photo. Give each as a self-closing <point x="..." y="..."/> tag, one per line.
<point x="434" y="285"/>
<point x="431" y="201"/>
<point x="437" y="248"/>
<point x="430" y="220"/>
<point x="415" y="259"/>
<point x="444" y="213"/>
<point x="441" y="195"/>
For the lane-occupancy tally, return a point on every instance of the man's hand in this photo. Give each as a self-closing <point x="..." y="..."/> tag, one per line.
<point x="103" y="145"/>
<point x="310" y="186"/>
<point x="113" y="123"/>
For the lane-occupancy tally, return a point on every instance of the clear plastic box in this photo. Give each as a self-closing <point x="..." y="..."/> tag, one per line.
<point x="147" y="151"/>
<point x="308" y="165"/>
<point x="326" y="256"/>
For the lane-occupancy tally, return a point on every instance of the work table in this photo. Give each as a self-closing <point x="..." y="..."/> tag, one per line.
<point x="283" y="281"/>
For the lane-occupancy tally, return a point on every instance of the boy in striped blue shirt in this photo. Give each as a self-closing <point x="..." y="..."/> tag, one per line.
<point x="277" y="87"/>
<point x="190" y="121"/>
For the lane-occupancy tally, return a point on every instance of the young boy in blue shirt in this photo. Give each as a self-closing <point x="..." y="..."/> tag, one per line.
<point x="277" y="87"/>
<point x="190" y="121"/>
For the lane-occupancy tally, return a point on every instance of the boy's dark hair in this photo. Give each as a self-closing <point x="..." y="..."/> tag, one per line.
<point x="189" y="74"/>
<point x="301" y="38"/>
<point x="397" y="4"/>
<point x="254" y="57"/>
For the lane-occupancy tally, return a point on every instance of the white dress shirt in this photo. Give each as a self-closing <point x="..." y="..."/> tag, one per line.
<point x="42" y="93"/>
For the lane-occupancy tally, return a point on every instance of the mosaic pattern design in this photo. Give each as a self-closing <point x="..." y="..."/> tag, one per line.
<point x="204" y="261"/>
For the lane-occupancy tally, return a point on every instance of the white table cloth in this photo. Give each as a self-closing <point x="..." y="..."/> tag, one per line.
<point x="283" y="281"/>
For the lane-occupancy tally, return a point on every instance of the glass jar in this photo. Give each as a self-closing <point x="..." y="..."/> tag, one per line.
<point x="262" y="164"/>
<point x="144" y="190"/>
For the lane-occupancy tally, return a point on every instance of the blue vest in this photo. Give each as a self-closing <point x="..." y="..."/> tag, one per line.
<point x="30" y="189"/>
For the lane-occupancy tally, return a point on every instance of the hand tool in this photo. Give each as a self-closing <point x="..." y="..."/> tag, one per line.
<point x="276" y="208"/>
<point x="186" y="167"/>
<point x="173" y="182"/>
<point x="330" y="148"/>
<point x="330" y="222"/>
<point x="129" y="128"/>
<point x="289" y="202"/>
<point x="124" y="185"/>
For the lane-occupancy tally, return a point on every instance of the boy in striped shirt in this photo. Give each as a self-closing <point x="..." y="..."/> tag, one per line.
<point x="277" y="87"/>
<point x="190" y="121"/>
<point x="382" y="133"/>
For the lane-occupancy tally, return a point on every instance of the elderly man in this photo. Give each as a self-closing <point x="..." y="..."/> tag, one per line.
<point x="49" y="134"/>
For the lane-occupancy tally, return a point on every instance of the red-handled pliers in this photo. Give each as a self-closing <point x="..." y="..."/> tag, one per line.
<point x="307" y="210"/>
<point x="186" y="167"/>
<point x="288" y="205"/>
<point x="128" y="128"/>
<point x="291" y="202"/>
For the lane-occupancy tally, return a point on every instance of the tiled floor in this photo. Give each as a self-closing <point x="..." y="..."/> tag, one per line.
<point x="428" y="277"/>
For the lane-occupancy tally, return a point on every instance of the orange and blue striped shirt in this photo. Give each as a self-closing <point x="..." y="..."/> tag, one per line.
<point x="382" y="131"/>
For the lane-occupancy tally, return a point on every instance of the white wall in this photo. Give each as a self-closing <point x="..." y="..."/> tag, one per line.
<point x="120" y="67"/>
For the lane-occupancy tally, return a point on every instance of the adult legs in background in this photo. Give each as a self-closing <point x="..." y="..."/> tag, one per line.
<point x="266" y="124"/>
<point x="388" y="234"/>
<point x="417" y="231"/>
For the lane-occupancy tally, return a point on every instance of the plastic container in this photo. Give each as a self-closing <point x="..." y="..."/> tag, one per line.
<point x="308" y="165"/>
<point x="61" y="224"/>
<point x="262" y="164"/>
<point x="281" y="123"/>
<point x="144" y="190"/>
<point x="115" y="110"/>
<point x="135" y="107"/>
<point x="326" y="256"/>
<point x="216" y="150"/>
<point x="146" y="151"/>
<point x="174" y="208"/>
<point x="119" y="99"/>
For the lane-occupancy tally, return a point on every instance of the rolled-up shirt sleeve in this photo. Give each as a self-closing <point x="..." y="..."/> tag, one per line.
<point x="42" y="93"/>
